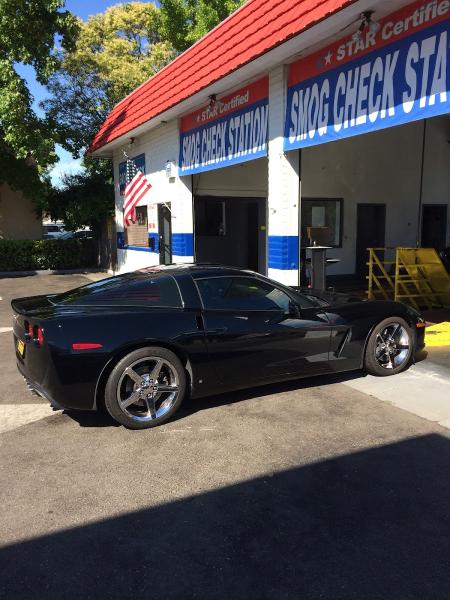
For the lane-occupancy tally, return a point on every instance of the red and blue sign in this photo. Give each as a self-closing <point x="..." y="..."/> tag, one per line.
<point x="394" y="72"/>
<point x="228" y="131"/>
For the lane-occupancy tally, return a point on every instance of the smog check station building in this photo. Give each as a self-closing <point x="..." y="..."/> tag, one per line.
<point x="292" y="123"/>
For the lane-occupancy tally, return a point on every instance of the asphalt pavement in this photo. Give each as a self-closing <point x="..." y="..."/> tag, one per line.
<point x="306" y="490"/>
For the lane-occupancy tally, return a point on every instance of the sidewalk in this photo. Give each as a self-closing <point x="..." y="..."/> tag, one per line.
<point x="423" y="390"/>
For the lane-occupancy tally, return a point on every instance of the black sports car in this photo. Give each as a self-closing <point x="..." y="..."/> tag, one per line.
<point x="139" y="343"/>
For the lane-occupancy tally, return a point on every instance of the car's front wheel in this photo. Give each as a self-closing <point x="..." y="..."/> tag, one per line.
<point x="389" y="348"/>
<point x="145" y="388"/>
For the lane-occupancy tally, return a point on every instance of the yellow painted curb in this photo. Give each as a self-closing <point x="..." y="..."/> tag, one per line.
<point x="438" y="335"/>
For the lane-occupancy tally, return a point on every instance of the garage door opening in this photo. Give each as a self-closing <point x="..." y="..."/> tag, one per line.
<point x="231" y="231"/>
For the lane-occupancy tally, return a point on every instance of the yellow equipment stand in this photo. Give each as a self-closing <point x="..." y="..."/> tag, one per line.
<point x="419" y="277"/>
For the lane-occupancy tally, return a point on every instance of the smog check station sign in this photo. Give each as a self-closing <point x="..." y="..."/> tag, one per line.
<point x="394" y="72"/>
<point x="230" y="130"/>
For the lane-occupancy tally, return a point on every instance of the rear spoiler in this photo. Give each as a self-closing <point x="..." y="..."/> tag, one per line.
<point x="25" y="306"/>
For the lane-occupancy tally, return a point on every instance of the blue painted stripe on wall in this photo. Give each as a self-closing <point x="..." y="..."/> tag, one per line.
<point x="283" y="252"/>
<point x="183" y="244"/>
<point x="122" y="246"/>
<point x="138" y="248"/>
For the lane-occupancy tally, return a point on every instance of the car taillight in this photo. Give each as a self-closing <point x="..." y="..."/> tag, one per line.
<point x="38" y="335"/>
<point x="28" y="331"/>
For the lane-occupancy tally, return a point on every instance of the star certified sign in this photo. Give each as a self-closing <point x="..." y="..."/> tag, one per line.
<point x="395" y="74"/>
<point x="230" y="130"/>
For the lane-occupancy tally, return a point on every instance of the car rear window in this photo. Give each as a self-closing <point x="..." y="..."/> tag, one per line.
<point x="131" y="289"/>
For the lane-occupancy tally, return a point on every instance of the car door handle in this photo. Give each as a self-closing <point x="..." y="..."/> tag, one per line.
<point x="216" y="331"/>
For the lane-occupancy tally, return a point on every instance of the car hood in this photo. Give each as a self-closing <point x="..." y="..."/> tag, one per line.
<point x="328" y="298"/>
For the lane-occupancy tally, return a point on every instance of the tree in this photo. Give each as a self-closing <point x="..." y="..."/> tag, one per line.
<point x="183" y="22"/>
<point x="28" y="32"/>
<point x="84" y="199"/>
<point x="115" y="52"/>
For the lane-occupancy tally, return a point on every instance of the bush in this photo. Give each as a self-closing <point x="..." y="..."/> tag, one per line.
<point x="33" y="255"/>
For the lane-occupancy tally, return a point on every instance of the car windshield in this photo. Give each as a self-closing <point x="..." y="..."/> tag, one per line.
<point x="131" y="289"/>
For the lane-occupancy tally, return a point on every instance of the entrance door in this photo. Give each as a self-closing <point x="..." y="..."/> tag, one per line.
<point x="370" y="232"/>
<point x="252" y="236"/>
<point x="434" y="226"/>
<point x="165" y="234"/>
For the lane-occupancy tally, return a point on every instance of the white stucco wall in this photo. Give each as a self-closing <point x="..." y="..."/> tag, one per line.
<point x="381" y="167"/>
<point x="245" y="180"/>
<point x="159" y="146"/>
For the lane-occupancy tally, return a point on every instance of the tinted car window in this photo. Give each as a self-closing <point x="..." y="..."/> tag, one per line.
<point x="241" y="293"/>
<point x="135" y="289"/>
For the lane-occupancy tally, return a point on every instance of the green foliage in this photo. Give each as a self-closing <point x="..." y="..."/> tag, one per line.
<point x="183" y="22"/>
<point x="32" y="255"/>
<point x="115" y="52"/>
<point x="28" y="29"/>
<point x="85" y="198"/>
<point x="21" y="174"/>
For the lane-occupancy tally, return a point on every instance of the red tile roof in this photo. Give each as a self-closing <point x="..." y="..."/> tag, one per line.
<point x="254" y="29"/>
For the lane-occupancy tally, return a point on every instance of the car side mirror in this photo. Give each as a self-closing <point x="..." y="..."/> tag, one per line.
<point x="294" y="310"/>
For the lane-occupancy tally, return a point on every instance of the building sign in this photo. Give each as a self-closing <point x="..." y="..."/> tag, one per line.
<point x="228" y="131"/>
<point x="395" y="72"/>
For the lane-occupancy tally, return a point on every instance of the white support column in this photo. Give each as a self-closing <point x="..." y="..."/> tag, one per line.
<point x="284" y="189"/>
<point x="182" y="221"/>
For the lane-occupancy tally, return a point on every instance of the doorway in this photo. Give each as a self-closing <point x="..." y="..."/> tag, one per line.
<point x="231" y="231"/>
<point x="434" y="226"/>
<point x="370" y="233"/>
<point x="165" y="234"/>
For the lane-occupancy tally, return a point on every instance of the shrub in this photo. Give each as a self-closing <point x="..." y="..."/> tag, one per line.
<point x="33" y="255"/>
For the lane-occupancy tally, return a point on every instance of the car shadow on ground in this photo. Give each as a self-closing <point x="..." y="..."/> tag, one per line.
<point x="190" y="406"/>
<point x="368" y="525"/>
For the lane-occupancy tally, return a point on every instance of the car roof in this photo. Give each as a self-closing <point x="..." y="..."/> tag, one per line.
<point x="198" y="270"/>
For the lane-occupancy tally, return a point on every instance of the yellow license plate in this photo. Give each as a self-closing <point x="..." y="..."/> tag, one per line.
<point x="20" y="347"/>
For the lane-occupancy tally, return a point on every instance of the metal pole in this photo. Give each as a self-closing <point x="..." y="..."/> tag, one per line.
<point x="419" y="213"/>
<point x="300" y="217"/>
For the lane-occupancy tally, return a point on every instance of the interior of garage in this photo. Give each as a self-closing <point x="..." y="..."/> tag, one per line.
<point x="387" y="188"/>
<point x="230" y="215"/>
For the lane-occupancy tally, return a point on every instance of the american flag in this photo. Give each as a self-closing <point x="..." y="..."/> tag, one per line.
<point x="137" y="188"/>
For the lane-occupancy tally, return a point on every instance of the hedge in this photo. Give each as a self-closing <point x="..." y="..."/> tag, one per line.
<point x="34" y="255"/>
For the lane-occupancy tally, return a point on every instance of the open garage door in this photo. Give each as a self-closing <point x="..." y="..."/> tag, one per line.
<point x="231" y="231"/>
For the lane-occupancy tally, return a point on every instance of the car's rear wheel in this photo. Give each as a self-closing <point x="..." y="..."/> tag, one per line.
<point x="145" y="388"/>
<point x="389" y="348"/>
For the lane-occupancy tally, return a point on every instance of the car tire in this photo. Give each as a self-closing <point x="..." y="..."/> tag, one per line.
<point x="145" y="388"/>
<point x="389" y="348"/>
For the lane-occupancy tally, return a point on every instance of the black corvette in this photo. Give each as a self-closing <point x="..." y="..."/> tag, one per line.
<point x="139" y="343"/>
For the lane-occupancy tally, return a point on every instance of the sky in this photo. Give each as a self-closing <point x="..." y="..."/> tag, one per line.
<point x="83" y="9"/>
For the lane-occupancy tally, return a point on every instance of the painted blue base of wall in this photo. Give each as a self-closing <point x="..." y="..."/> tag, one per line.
<point x="183" y="244"/>
<point x="283" y="252"/>
<point x="153" y="247"/>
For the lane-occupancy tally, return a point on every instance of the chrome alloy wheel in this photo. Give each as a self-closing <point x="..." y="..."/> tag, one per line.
<point x="392" y="346"/>
<point x="148" y="389"/>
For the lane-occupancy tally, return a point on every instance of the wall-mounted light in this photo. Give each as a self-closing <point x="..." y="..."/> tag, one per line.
<point x="212" y="100"/>
<point x="367" y="23"/>
<point x="170" y="169"/>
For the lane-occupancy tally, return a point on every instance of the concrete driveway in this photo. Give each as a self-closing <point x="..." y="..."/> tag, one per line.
<point x="310" y="490"/>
